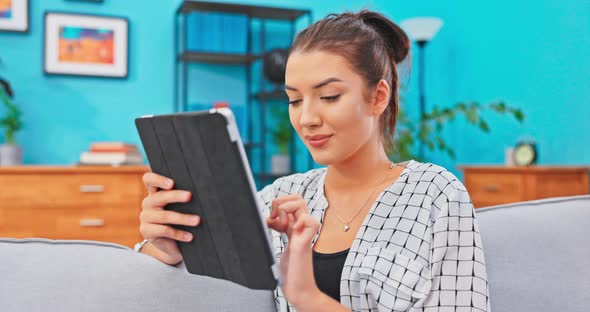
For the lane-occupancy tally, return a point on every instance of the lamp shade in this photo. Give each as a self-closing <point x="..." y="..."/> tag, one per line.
<point x="422" y="28"/>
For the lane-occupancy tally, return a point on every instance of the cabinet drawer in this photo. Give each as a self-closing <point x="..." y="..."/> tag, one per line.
<point x="559" y="184"/>
<point x="487" y="189"/>
<point x="70" y="190"/>
<point x="104" y="224"/>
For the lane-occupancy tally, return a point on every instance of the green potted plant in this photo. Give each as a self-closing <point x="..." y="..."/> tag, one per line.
<point x="281" y="135"/>
<point x="429" y="128"/>
<point x="10" y="152"/>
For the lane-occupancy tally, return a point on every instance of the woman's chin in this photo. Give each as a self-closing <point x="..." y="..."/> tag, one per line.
<point x="322" y="158"/>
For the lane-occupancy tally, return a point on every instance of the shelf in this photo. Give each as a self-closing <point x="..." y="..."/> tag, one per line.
<point x="250" y="10"/>
<point x="256" y="143"/>
<point x="217" y="58"/>
<point x="272" y="95"/>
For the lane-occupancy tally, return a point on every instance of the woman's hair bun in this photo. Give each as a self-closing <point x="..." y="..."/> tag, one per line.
<point x="394" y="36"/>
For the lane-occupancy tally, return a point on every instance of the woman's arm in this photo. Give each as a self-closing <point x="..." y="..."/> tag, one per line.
<point x="459" y="277"/>
<point x="290" y="215"/>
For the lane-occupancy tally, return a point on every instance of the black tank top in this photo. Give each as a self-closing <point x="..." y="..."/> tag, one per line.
<point x="327" y="270"/>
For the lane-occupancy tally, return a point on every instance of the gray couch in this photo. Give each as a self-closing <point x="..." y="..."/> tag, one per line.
<point x="538" y="256"/>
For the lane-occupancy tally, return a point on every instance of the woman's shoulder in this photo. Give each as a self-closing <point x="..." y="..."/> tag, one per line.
<point x="433" y="180"/>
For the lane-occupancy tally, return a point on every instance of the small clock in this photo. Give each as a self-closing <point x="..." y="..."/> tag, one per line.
<point x="525" y="154"/>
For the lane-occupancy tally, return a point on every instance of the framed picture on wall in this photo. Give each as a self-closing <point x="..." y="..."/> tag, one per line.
<point x="14" y="15"/>
<point x="86" y="45"/>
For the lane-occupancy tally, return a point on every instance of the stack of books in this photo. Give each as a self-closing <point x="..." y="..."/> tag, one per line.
<point x="111" y="153"/>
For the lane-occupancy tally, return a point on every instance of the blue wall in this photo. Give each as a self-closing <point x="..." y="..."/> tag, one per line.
<point x="533" y="56"/>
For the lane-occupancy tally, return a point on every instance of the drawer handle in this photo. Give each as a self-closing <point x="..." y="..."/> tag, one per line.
<point x="491" y="188"/>
<point x="91" y="222"/>
<point x="91" y="188"/>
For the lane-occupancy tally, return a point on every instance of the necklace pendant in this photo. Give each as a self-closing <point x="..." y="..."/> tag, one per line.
<point x="346" y="227"/>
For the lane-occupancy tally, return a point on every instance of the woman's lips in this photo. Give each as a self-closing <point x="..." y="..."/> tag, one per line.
<point x="319" y="142"/>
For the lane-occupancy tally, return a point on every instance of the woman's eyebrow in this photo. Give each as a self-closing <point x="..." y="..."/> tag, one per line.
<point x="318" y="85"/>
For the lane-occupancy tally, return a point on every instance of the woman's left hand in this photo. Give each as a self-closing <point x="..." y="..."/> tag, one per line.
<point x="290" y="215"/>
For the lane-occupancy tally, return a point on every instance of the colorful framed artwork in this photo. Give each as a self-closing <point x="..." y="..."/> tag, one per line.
<point x="86" y="45"/>
<point x="14" y="15"/>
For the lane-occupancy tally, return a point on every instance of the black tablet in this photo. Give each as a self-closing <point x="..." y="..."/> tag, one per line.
<point x="203" y="153"/>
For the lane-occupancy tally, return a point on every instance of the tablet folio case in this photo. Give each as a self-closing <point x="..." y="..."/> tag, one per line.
<point x="195" y="150"/>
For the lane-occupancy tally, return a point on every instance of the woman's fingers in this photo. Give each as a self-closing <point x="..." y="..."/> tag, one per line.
<point x="296" y="207"/>
<point x="306" y="222"/>
<point x="277" y="223"/>
<point x="290" y="224"/>
<point x="305" y="228"/>
<point x="168" y="217"/>
<point x="281" y="199"/>
<point x="286" y="210"/>
<point x="160" y="199"/>
<point x="154" y="181"/>
<point x="273" y="223"/>
<point x="152" y="231"/>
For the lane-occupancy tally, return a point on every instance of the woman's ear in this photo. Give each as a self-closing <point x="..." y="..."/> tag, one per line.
<point x="381" y="98"/>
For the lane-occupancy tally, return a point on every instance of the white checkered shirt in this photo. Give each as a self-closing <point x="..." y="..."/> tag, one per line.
<point x="418" y="249"/>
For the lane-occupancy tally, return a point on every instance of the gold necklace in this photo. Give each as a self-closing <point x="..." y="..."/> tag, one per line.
<point x="346" y="224"/>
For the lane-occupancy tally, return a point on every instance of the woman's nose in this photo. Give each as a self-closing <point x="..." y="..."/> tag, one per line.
<point x="310" y="116"/>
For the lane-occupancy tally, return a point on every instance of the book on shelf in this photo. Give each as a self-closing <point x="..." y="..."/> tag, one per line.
<point x="111" y="153"/>
<point x="113" y="158"/>
<point x="113" y="147"/>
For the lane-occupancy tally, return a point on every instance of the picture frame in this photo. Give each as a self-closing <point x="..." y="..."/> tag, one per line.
<point x="85" y="45"/>
<point x="14" y="16"/>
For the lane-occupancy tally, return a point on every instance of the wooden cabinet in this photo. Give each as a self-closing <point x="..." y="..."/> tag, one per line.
<point x="78" y="202"/>
<point x="494" y="185"/>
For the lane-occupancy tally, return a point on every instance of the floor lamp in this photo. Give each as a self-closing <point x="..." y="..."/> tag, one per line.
<point x="421" y="30"/>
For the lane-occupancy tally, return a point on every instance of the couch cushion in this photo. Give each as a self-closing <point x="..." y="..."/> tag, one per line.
<point x="538" y="254"/>
<point x="69" y="275"/>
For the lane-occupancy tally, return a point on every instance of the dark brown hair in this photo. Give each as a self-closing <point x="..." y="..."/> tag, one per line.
<point x="371" y="43"/>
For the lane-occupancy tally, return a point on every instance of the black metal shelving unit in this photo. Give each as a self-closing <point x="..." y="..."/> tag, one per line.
<point x="261" y="96"/>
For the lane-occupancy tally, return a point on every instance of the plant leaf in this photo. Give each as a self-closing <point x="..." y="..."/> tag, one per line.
<point x="484" y="126"/>
<point x="519" y="115"/>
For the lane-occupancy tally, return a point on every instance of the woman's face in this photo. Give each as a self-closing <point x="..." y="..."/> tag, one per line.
<point x="328" y="106"/>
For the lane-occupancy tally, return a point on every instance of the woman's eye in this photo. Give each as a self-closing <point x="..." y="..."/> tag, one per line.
<point x="294" y="102"/>
<point x="331" y="98"/>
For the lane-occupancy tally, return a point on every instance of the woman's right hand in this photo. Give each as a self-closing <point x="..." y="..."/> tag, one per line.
<point x="155" y="220"/>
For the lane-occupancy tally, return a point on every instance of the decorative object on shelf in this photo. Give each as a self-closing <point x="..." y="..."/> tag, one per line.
<point x="11" y="153"/>
<point x="281" y="134"/>
<point x="86" y="45"/>
<point x="14" y="15"/>
<point x="428" y="130"/>
<point x="509" y="156"/>
<point x="525" y="153"/>
<point x="274" y="65"/>
<point x="422" y="30"/>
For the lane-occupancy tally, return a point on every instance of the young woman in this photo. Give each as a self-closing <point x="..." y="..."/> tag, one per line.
<point x="364" y="233"/>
